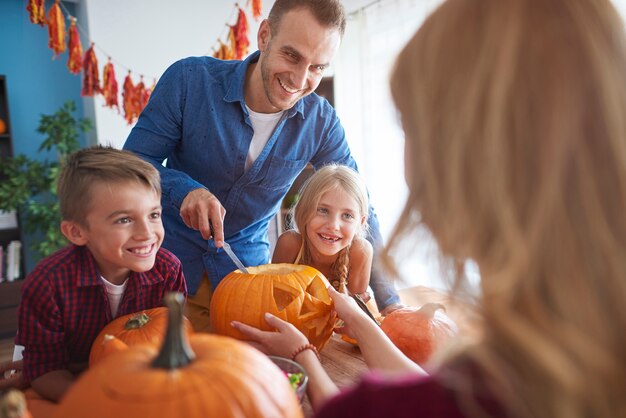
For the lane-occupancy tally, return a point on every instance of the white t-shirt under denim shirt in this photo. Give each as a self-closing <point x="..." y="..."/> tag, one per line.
<point x="263" y="125"/>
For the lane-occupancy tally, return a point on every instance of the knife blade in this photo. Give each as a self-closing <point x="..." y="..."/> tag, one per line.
<point x="363" y="306"/>
<point x="233" y="257"/>
<point x="231" y="254"/>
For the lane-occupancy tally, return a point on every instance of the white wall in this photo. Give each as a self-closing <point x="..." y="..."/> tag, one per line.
<point x="147" y="36"/>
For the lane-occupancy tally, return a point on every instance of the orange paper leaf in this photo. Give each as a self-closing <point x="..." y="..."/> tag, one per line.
<point x="56" y="29"/>
<point x="36" y="12"/>
<point x="75" y="59"/>
<point x="232" y="44"/>
<point x="256" y="9"/>
<point x="129" y="94"/>
<point x="109" y="85"/>
<point x="240" y="33"/>
<point x="224" y="52"/>
<point x="91" y="78"/>
<point x="140" y="92"/>
<point x="144" y="95"/>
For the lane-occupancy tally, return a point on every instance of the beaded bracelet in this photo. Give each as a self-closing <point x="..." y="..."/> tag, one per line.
<point x="307" y="346"/>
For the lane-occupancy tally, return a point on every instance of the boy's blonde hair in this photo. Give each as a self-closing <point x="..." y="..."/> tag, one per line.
<point x="515" y="117"/>
<point x="86" y="167"/>
<point x="327" y="178"/>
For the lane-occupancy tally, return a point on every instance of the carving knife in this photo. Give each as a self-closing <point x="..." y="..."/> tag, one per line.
<point x="363" y="306"/>
<point x="233" y="257"/>
<point x="231" y="254"/>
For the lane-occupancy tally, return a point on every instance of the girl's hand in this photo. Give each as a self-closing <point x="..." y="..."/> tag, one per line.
<point x="348" y="311"/>
<point x="283" y="342"/>
<point x="346" y="308"/>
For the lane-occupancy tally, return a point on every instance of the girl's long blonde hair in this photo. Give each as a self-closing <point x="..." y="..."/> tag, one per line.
<point x="514" y="113"/>
<point x="327" y="178"/>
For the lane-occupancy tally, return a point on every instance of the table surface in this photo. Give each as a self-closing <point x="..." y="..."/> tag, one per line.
<point x="344" y="364"/>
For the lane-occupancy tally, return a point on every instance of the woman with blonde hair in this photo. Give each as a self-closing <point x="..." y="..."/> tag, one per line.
<point x="514" y="113"/>
<point x="330" y="226"/>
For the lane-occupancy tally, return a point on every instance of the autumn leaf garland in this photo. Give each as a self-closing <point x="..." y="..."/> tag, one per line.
<point x="134" y="97"/>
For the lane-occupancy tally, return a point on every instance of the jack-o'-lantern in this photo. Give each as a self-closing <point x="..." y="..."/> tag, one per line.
<point x="201" y="375"/>
<point x="295" y="293"/>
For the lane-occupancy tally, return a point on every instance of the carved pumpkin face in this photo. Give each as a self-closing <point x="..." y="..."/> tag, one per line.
<point x="295" y="293"/>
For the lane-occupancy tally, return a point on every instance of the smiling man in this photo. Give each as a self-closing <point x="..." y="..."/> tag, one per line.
<point x="235" y="135"/>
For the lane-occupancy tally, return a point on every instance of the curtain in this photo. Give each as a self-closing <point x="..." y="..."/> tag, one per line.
<point x="374" y="36"/>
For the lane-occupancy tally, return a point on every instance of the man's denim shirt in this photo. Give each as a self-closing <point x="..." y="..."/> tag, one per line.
<point x="196" y="121"/>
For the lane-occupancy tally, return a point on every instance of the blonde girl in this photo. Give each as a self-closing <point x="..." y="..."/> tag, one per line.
<point x="330" y="226"/>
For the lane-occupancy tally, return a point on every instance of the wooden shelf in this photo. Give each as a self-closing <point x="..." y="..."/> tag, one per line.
<point x="9" y="291"/>
<point x="9" y="299"/>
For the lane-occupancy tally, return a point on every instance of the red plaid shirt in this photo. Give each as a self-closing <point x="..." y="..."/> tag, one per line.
<point x="64" y="305"/>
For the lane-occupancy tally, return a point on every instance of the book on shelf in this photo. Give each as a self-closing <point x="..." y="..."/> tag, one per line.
<point x="13" y="263"/>
<point x="1" y="264"/>
<point x="8" y="220"/>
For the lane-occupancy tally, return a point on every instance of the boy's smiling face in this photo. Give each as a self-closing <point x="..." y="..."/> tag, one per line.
<point x="123" y="228"/>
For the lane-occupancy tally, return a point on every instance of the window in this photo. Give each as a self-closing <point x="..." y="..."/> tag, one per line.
<point x="374" y="36"/>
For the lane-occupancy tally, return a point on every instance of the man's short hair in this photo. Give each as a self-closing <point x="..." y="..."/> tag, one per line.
<point x="329" y="13"/>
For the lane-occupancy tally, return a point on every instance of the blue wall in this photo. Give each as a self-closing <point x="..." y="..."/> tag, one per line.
<point x="36" y="83"/>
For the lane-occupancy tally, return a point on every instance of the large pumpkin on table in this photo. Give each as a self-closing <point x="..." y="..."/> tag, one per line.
<point x="295" y="293"/>
<point x="418" y="333"/>
<point x="202" y="375"/>
<point x="147" y="326"/>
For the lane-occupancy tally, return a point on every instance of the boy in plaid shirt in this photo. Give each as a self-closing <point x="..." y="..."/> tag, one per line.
<point x="111" y="210"/>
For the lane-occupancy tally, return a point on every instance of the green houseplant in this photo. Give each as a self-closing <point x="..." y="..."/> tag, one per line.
<point x="29" y="186"/>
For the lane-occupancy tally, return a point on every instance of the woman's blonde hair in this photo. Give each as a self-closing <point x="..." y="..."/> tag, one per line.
<point x="326" y="179"/>
<point x="514" y="113"/>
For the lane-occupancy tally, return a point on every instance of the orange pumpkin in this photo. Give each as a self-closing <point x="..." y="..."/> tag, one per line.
<point x="202" y="375"/>
<point x="141" y="327"/>
<point x="419" y="332"/>
<point x="293" y="292"/>
<point x="3" y="126"/>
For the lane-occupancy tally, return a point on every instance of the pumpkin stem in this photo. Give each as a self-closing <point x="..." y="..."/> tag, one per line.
<point x="13" y="404"/>
<point x="175" y="352"/>
<point x="137" y="321"/>
<point x="429" y="309"/>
